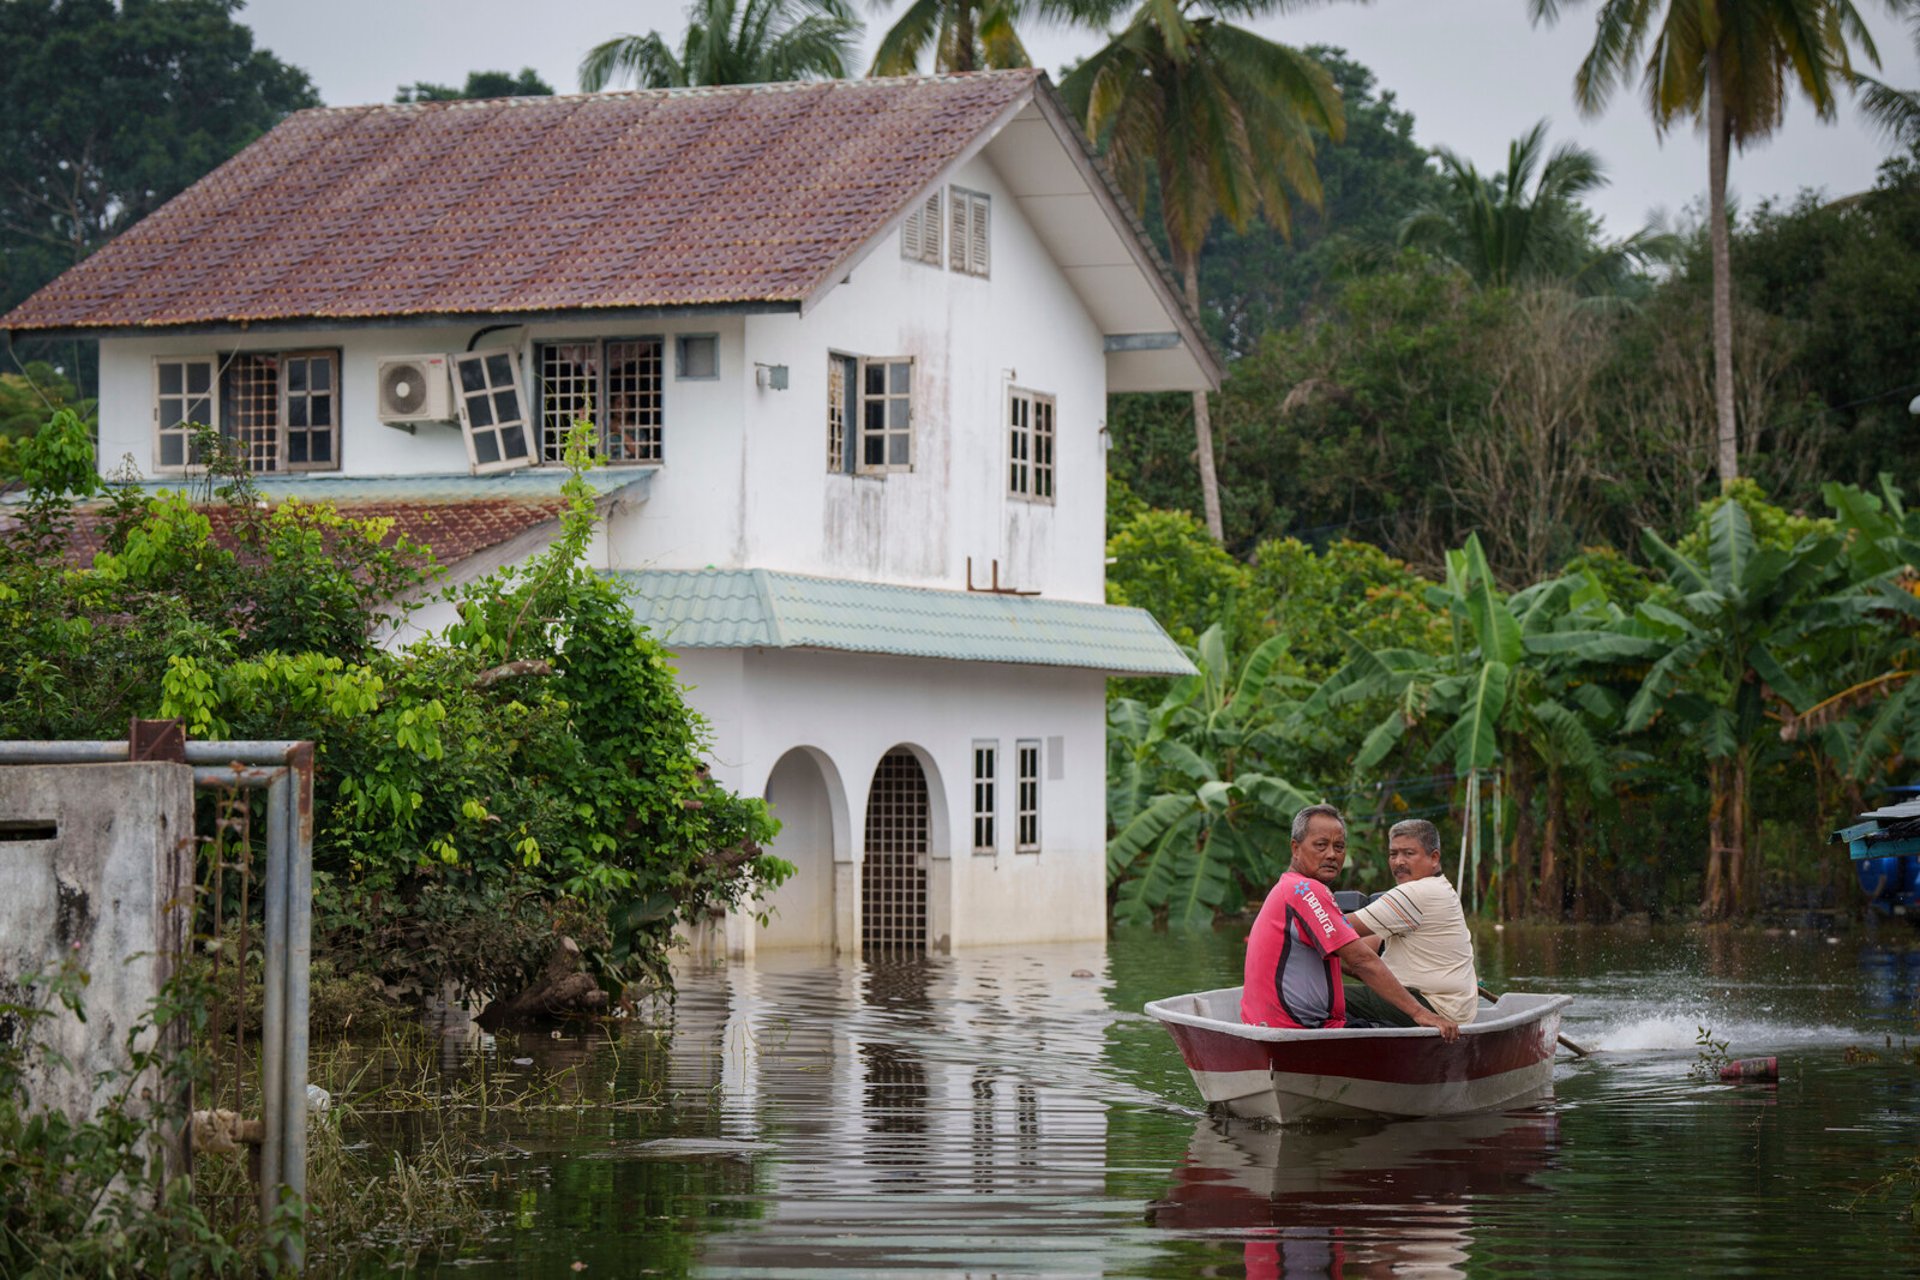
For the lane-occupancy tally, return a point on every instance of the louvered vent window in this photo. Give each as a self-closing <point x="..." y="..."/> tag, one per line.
<point x="969" y="216"/>
<point x="614" y="384"/>
<point x="492" y="411"/>
<point x="1030" y="445"/>
<point x="920" y="232"/>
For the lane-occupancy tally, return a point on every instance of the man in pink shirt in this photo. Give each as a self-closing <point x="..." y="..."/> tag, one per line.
<point x="1300" y="941"/>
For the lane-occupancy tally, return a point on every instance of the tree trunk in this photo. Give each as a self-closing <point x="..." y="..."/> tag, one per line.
<point x="1740" y="871"/>
<point x="1552" y="895"/>
<point x="1203" y="415"/>
<point x="963" y="38"/>
<point x="1520" y="886"/>
<point x="1713" y="895"/>
<point x="1718" y="138"/>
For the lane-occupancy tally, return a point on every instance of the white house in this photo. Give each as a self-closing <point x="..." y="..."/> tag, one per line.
<point x="848" y="345"/>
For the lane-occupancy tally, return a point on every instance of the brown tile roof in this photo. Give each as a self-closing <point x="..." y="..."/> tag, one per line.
<point x="667" y="198"/>
<point x="454" y="530"/>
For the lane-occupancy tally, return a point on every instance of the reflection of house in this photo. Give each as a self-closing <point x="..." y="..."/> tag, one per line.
<point x="848" y="347"/>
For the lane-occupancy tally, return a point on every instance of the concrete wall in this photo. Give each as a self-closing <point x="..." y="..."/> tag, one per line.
<point x="846" y="711"/>
<point x="96" y="869"/>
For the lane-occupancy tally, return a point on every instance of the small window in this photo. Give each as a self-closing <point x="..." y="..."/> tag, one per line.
<point x="697" y="356"/>
<point x="986" y="839"/>
<point x="968" y="217"/>
<point x="843" y="390"/>
<point x="614" y="384"/>
<point x="492" y="411"/>
<point x="920" y="232"/>
<point x="1026" y="836"/>
<point x="1030" y="445"/>
<point x="886" y="415"/>
<point x="183" y="397"/>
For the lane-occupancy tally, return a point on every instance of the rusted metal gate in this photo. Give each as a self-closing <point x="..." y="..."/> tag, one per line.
<point x="893" y="875"/>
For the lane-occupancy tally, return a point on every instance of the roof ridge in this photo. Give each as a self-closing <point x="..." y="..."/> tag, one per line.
<point x="680" y="91"/>
<point x="762" y="582"/>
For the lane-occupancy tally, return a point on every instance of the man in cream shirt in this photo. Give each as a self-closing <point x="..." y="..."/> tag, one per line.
<point x="1422" y="932"/>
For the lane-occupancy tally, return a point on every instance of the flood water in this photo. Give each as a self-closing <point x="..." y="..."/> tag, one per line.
<point x="993" y="1114"/>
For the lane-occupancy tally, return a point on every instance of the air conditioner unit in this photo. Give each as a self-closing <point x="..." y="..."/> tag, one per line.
<point x="415" y="389"/>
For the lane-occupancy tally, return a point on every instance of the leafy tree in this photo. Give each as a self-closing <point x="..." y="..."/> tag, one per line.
<point x="107" y="111"/>
<point x="1725" y="64"/>
<point x="1526" y="223"/>
<point x="1197" y="824"/>
<point x="733" y="42"/>
<point x="1257" y="280"/>
<point x="1222" y="121"/>
<point x="1163" y="561"/>
<point x="480" y="84"/>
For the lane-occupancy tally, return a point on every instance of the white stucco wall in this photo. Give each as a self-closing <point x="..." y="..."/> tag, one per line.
<point x="745" y="481"/>
<point x="849" y="710"/>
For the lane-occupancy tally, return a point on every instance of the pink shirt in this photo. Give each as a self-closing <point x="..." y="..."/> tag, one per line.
<point x="1292" y="975"/>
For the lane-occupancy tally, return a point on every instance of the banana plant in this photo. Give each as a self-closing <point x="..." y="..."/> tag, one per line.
<point x="1197" y="821"/>
<point x="1748" y="627"/>
<point x="1500" y="695"/>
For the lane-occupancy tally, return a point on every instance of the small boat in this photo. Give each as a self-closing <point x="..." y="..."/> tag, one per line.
<point x="1503" y="1057"/>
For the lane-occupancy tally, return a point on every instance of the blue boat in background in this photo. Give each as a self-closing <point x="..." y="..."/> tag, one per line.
<point x="1885" y="847"/>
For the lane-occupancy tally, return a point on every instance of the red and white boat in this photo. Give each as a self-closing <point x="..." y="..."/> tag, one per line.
<point x="1503" y="1057"/>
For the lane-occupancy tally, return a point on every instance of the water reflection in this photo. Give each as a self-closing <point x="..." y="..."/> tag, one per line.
<point x="1354" y="1200"/>
<point x="993" y="1114"/>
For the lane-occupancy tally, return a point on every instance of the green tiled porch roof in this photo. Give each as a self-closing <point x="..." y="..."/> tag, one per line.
<point x="762" y="609"/>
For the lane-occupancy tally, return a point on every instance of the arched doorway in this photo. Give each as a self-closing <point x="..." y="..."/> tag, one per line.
<point x="800" y="912"/>
<point x="893" y="874"/>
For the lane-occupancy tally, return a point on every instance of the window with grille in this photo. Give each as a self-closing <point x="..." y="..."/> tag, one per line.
<point x="886" y="415"/>
<point x="492" y="411"/>
<point x="920" y="232"/>
<point x="985" y="801"/>
<point x="182" y="397"/>
<point x="1026" y="837"/>
<point x="1030" y="445"/>
<point x="893" y="874"/>
<point x="616" y="384"/>
<point x="280" y="409"/>
<point x="843" y="391"/>
<point x="968" y="218"/>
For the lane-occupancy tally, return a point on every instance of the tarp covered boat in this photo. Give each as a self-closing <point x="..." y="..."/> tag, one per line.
<point x="1503" y="1057"/>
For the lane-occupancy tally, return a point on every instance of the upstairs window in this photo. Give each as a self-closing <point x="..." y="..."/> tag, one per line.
<point x="869" y="414"/>
<point x="615" y="384"/>
<point x="920" y="232"/>
<point x="493" y="414"/>
<point x="1026" y="814"/>
<point x="986" y="761"/>
<point x="1030" y="445"/>
<point x="182" y="397"/>
<point x="969" y="213"/>
<point x="280" y="409"/>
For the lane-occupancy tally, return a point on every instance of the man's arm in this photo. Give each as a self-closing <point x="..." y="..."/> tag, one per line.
<point x="1358" y="958"/>
<point x="1375" y="943"/>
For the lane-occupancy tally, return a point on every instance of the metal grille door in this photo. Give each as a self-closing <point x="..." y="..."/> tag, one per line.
<point x="893" y="877"/>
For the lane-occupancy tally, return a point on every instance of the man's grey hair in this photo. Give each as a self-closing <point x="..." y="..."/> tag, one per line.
<point x="1420" y="829"/>
<point x="1308" y="814"/>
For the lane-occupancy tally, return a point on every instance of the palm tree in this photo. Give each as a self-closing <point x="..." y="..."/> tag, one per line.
<point x="1895" y="111"/>
<point x="733" y="42"/>
<point x="1526" y="222"/>
<point x="1223" y="119"/>
<point x="1725" y="63"/>
<point x="965" y="35"/>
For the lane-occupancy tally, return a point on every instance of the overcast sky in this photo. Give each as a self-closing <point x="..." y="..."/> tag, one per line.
<point x="1473" y="73"/>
